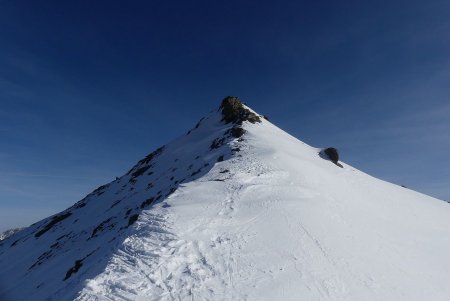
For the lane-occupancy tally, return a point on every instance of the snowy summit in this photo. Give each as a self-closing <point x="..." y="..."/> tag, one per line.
<point x="236" y="209"/>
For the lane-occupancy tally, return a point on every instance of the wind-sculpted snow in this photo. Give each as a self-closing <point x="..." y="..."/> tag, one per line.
<point x="235" y="211"/>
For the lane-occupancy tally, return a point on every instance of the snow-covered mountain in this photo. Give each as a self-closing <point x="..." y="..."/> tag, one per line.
<point x="236" y="209"/>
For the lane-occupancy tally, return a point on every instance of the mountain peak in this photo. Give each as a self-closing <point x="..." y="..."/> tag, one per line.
<point x="235" y="209"/>
<point x="234" y="111"/>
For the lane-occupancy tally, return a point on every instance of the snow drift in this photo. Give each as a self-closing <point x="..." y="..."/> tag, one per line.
<point x="236" y="209"/>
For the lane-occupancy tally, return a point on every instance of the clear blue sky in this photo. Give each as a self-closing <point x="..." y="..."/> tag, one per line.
<point x="87" y="88"/>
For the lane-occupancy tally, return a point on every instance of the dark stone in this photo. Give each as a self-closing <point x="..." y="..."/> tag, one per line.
<point x="220" y="159"/>
<point x="233" y="111"/>
<point x="100" y="227"/>
<point x="237" y="132"/>
<point x="74" y="269"/>
<point x="218" y="142"/>
<point x="56" y="219"/>
<point x="147" y="202"/>
<point x="152" y="155"/>
<point x="140" y="171"/>
<point x="146" y="160"/>
<point x="332" y="153"/>
<point x="172" y="190"/>
<point x="46" y="255"/>
<point x="132" y="219"/>
<point x="99" y="190"/>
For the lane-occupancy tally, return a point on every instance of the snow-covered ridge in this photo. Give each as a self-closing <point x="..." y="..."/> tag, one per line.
<point x="5" y="234"/>
<point x="236" y="209"/>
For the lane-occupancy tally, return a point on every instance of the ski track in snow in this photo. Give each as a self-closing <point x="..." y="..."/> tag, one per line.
<point x="175" y="268"/>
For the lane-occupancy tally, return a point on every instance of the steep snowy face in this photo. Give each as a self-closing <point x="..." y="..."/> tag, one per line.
<point x="236" y="209"/>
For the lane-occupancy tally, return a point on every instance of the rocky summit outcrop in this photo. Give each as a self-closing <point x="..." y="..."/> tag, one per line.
<point x="234" y="111"/>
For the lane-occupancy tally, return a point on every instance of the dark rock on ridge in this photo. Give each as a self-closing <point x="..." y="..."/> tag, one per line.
<point x="332" y="154"/>
<point x="233" y="111"/>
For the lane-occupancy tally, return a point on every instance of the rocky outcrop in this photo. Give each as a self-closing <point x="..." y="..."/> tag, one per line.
<point x="233" y="111"/>
<point x="331" y="154"/>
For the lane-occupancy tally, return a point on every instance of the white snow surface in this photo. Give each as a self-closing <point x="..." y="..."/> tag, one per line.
<point x="272" y="221"/>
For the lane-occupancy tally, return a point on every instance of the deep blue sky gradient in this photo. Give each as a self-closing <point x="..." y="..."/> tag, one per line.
<point x="87" y="88"/>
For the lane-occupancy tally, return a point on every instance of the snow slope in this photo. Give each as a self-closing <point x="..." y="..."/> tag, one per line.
<point x="217" y="215"/>
<point x="8" y="233"/>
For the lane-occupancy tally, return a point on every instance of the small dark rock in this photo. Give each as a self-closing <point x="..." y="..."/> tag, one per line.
<point x="99" y="227"/>
<point x="218" y="142"/>
<point x="74" y="269"/>
<point x="147" y="202"/>
<point x="100" y="189"/>
<point x="56" y="219"/>
<point x="140" y="171"/>
<point x="132" y="219"/>
<point x="237" y="132"/>
<point x="332" y="153"/>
